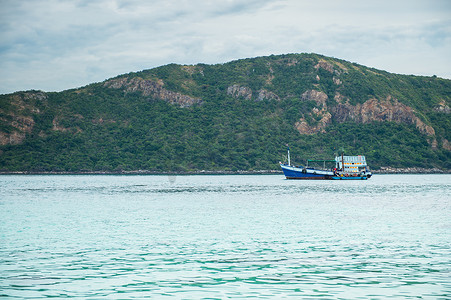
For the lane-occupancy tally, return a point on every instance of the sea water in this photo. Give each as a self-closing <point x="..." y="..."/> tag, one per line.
<point x="217" y="237"/>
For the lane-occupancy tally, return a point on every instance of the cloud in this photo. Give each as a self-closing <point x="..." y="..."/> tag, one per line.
<point x="54" y="44"/>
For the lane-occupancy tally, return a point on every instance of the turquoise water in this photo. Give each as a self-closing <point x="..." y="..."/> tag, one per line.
<point x="216" y="237"/>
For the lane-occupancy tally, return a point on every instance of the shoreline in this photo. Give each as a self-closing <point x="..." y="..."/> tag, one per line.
<point x="411" y="170"/>
<point x="382" y="170"/>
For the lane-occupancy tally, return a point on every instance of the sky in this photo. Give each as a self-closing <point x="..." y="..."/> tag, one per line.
<point x="54" y="45"/>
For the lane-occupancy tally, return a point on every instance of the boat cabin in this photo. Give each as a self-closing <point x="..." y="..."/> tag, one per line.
<point x="351" y="164"/>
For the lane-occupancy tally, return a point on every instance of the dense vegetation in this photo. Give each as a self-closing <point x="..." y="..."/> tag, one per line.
<point x="107" y="129"/>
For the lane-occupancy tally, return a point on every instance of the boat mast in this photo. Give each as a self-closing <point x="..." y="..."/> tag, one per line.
<point x="288" y="149"/>
<point x="342" y="162"/>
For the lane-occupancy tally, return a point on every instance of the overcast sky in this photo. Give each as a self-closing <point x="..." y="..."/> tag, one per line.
<point x="53" y="45"/>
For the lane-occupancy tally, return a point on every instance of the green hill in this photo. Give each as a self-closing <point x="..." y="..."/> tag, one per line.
<point x="233" y="116"/>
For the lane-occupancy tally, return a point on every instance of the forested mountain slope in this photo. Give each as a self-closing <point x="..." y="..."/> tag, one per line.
<point x="233" y="116"/>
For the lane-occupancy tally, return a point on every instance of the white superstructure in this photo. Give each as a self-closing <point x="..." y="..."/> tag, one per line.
<point x="351" y="164"/>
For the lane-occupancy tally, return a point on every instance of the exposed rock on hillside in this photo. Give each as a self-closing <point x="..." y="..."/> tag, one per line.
<point x="442" y="107"/>
<point x="264" y="94"/>
<point x="388" y="110"/>
<point x="325" y="65"/>
<point x="20" y="118"/>
<point x="324" y="119"/>
<point x="446" y="145"/>
<point x="238" y="91"/>
<point x="335" y="68"/>
<point x="337" y="81"/>
<point x="58" y="127"/>
<point x="322" y="116"/>
<point x="319" y="97"/>
<point x="13" y="138"/>
<point x="153" y="89"/>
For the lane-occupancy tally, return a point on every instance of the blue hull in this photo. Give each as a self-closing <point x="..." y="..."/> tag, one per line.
<point x="302" y="173"/>
<point x="299" y="173"/>
<point x="295" y="175"/>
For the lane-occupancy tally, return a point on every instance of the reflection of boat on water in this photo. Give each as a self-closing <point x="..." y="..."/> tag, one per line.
<point x="346" y="167"/>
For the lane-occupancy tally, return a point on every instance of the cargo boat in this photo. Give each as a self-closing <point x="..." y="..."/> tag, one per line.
<point x="346" y="168"/>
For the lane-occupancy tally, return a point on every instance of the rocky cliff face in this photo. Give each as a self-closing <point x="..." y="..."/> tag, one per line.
<point x="320" y="114"/>
<point x="20" y="116"/>
<point x="324" y="117"/>
<point x="373" y="110"/>
<point x="153" y="89"/>
<point x="385" y="110"/>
